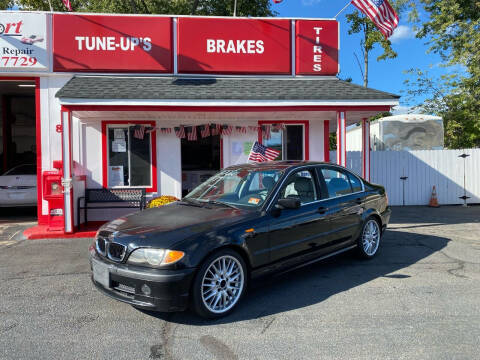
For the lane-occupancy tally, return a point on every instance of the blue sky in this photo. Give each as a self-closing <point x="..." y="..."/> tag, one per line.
<point x="386" y="75"/>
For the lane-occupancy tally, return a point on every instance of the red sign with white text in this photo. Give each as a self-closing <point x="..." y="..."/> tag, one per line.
<point x="317" y="46"/>
<point x="234" y="46"/>
<point x="112" y="43"/>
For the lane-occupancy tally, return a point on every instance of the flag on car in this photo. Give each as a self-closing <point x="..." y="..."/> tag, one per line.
<point x="139" y="132"/>
<point x="381" y="13"/>
<point x="179" y="131"/>
<point x="261" y="153"/>
<point x="67" y="4"/>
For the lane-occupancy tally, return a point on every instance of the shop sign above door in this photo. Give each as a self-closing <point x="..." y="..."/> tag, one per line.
<point x="234" y="46"/>
<point x="317" y="46"/>
<point x="99" y="43"/>
<point x="23" y="41"/>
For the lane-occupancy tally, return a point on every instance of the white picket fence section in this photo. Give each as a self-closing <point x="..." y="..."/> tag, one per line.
<point x="424" y="169"/>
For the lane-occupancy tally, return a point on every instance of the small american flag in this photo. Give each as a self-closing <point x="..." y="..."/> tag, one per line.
<point x="261" y="153"/>
<point x="278" y="127"/>
<point x="227" y="129"/>
<point x="381" y="13"/>
<point x="253" y="128"/>
<point x="67" y="4"/>
<point x="139" y="132"/>
<point x="165" y="130"/>
<point x="266" y="132"/>
<point x="215" y="129"/>
<point x="205" y="130"/>
<point x="180" y="132"/>
<point x="192" y="133"/>
<point x="241" y="129"/>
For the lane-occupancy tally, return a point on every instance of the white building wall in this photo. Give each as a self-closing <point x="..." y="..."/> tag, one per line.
<point x="50" y="118"/>
<point x="354" y="136"/>
<point x="316" y="140"/>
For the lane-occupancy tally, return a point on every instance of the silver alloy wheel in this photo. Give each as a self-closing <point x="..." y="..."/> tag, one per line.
<point x="371" y="237"/>
<point x="222" y="284"/>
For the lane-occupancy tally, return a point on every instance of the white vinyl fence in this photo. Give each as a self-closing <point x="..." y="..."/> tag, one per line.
<point x="423" y="169"/>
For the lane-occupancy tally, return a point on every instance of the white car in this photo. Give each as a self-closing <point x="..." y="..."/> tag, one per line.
<point x="18" y="186"/>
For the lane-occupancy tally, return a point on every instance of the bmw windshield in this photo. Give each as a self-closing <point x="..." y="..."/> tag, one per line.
<point x="241" y="188"/>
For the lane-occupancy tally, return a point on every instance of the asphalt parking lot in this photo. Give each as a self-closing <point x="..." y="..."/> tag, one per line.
<point x="418" y="299"/>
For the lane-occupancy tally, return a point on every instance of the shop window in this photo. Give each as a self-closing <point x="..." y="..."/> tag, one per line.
<point x="289" y="141"/>
<point x="129" y="156"/>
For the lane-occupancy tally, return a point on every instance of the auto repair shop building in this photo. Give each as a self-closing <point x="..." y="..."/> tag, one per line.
<point x="163" y="102"/>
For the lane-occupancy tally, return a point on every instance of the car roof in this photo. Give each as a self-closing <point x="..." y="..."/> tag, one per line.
<point x="277" y="165"/>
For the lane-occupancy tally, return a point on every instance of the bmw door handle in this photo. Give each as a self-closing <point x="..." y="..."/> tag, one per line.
<point x="322" y="210"/>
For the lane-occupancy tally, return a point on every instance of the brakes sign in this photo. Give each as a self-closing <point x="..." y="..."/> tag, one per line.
<point x="112" y="43"/>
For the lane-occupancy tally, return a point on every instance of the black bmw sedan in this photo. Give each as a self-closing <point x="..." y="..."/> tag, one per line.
<point x="244" y="222"/>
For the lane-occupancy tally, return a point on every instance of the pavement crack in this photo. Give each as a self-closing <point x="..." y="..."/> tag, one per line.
<point x="267" y="325"/>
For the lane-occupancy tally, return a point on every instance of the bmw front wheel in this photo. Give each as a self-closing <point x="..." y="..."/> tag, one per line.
<point x="219" y="284"/>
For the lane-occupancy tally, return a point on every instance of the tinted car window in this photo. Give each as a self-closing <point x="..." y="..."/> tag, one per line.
<point x="27" y="169"/>
<point x="337" y="182"/>
<point x="355" y="182"/>
<point x="300" y="185"/>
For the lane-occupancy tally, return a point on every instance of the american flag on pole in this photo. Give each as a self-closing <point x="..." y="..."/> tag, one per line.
<point x="261" y="153"/>
<point x="139" y="132"/>
<point x="67" y="4"/>
<point x="381" y="13"/>
<point x="180" y="132"/>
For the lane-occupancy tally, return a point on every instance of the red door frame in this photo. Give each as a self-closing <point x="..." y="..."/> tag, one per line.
<point x="42" y="219"/>
<point x="305" y="123"/>
<point x="153" y="144"/>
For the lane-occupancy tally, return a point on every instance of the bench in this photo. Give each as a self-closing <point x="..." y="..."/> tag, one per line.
<point x="127" y="198"/>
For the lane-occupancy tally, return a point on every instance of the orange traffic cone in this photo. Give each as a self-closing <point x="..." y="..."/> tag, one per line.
<point x="433" y="200"/>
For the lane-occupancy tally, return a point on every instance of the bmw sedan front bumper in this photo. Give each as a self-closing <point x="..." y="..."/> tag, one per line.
<point x="146" y="288"/>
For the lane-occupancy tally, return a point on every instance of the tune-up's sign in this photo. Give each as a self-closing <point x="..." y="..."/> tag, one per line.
<point x="234" y="46"/>
<point x="23" y="41"/>
<point x="317" y="47"/>
<point x="112" y="43"/>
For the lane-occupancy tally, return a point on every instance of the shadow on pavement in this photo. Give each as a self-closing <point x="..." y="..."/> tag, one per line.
<point x="316" y="283"/>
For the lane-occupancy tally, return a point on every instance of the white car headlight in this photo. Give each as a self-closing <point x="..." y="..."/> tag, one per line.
<point x="154" y="257"/>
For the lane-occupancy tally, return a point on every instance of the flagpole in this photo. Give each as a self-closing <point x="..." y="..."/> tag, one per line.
<point x="348" y="4"/>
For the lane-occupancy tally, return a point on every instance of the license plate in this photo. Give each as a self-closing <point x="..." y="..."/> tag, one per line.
<point x="101" y="274"/>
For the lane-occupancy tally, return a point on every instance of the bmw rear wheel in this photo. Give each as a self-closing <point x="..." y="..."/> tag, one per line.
<point x="369" y="239"/>
<point x="219" y="284"/>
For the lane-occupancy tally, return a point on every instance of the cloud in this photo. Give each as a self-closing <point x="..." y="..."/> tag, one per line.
<point x="402" y="32"/>
<point x="310" y="2"/>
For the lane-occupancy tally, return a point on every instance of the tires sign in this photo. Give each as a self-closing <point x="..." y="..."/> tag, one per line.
<point x="23" y="41"/>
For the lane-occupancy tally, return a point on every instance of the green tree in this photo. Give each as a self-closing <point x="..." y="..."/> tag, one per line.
<point x="253" y="8"/>
<point x="371" y="37"/>
<point x="452" y="30"/>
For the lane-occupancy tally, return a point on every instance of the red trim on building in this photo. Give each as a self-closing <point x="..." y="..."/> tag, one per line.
<point x="326" y="140"/>
<point x="305" y="124"/>
<point x="153" y="142"/>
<point x="4" y="132"/>
<point x="224" y="108"/>
<point x="221" y="152"/>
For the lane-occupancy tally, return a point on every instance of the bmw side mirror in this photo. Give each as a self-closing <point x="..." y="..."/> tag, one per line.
<point x="288" y="203"/>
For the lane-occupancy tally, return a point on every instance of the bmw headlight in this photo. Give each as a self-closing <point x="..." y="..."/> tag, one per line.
<point x="154" y="257"/>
